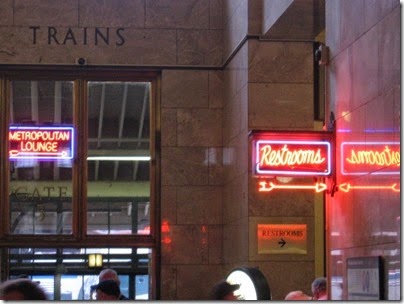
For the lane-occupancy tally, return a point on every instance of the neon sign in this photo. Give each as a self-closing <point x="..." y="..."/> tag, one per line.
<point x="377" y="158"/>
<point x="41" y="143"/>
<point x="346" y="187"/>
<point x="270" y="186"/>
<point x="300" y="157"/>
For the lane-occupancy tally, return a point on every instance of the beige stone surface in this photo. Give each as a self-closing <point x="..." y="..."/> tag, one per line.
<point x="216" y="94"/>
<point x="184" y="166"/>
<point x="199" y="205"/>
<point x="199" y="47"/>
<point x="177" y="14"/>
<point x="280" y="62"/>
<point x="168" y="127"/>
<point x="116" y="13"/>
<point x="280" y="106"/>
<point x="185" y="88"/>
<point x="6" y="12"/>
<point x="199" y="127"/>
<point x="45" y="13"/>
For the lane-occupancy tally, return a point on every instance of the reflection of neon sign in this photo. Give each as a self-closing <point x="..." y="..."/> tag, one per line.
<point x="346" y="187"/>
<point x="292" y="157"/>
<point x="41" y="143"/>
<point x="381" y="158"/>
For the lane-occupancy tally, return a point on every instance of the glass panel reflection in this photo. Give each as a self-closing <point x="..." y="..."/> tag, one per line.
<point x="40" y="189"/>
<point x="118" y="158"/>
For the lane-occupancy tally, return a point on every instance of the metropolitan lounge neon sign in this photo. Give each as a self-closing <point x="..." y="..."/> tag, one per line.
<point x="41" y="143"/>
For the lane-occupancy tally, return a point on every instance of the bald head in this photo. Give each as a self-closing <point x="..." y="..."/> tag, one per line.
<point x="108" y="274"/>
<point x="297" y="295"/>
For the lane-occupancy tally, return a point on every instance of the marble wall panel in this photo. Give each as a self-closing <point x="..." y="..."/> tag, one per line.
<point x="168" y="127"/>
<point x="235" y="243"/>
<point x="169" y="283"/>
<point x="375" y="10"/>
<point x="177" y="14"/>
<point x="199" y="47"/>
<point x="236" y="27"/>
<point x="46" y="13"/>
<point x="185" y="88"/>
<point x="117" y="13"/>
<point x="199" y="205"/>
<point x="199" y="127"/>
<point x="280" y="106"/>
<point x="272" y="10"/>
<point x="365" y="69"/>
<point x="235" y="197"/>
<point x="280" y="203"/>
<point x="169" y="205"/>
<point x="216" y="94"/>
<point x="236" y="117"/>
<point x="389" y="46"/>
<point x="216" y="19"/>
<point x="216" y="244"/>
<point x="216" y="168"/>
<point x="352" y="24"/>
<point x="194" y="284"/>
<point x="188" y="245"/>
<point x="184" y="166"/>
<point x="280" y="62"/>
<point x="274" y="271"/>
<point x="6" y="12"/>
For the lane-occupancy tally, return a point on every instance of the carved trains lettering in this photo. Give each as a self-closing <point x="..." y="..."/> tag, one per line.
<point x="78" y="36"/>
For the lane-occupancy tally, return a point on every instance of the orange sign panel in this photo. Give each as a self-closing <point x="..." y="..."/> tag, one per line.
<point x="282" y="238"/>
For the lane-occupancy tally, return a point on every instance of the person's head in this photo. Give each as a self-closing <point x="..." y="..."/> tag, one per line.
<point x="107" y="290"/>
<point x="319" y="288"/>
<point x="109" y="274"/>
<point x="21" y="289"/>
<point x="297" y="295"/>
<point x="224" y="291"/>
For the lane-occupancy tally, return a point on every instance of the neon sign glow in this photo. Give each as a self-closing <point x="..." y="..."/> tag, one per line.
<point x="292" y="157"/>
<point x="346" y="187"/>
<point x="378" y="158"/>
<point x="269" y="186"/>
<point x="41" y="143"/>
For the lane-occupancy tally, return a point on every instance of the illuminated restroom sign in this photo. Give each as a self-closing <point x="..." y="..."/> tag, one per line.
<point x="304" y="154"/>
<point x="376" y="158"/>
<point x="40" y="142"/>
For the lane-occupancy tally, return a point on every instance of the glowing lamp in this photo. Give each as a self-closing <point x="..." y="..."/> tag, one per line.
<point x="253" y="284"/>
<point x="94" y="260"/>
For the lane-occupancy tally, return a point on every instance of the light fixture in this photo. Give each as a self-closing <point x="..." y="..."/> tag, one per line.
<point x="120" y="158"/>
<point x="95" y="260"/>
<point x="253" y="284"/>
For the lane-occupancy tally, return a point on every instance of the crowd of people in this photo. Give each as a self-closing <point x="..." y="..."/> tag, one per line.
<point x="108" y="288"/>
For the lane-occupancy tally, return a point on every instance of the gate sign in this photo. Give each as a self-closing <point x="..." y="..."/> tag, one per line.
<point x="292" y="154"/>
<point x="376" y="158"/>
<point x="40" y="142"/>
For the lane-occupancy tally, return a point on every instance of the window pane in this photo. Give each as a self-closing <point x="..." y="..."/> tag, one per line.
<point x="118" y="158"/>
<point x="65" y="274"/>
<point x="41" y="151"/>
